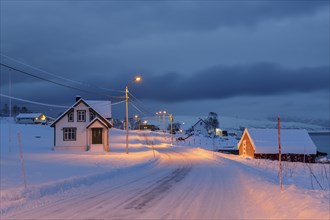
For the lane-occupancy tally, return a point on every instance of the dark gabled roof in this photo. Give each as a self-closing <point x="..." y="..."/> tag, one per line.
<point x="198" y="122"/>
<point x="75" y="105"/>
<point x="105" y="123"/>
<point x="61" y="116"/>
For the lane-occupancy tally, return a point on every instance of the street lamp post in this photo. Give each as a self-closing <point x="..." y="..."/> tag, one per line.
<point x="137" y="79"/>
<point x="171" y="121"/>
<point x="163" y="114"/>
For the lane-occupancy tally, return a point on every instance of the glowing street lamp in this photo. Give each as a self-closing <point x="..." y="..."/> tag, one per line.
<point x="136" y="79"/>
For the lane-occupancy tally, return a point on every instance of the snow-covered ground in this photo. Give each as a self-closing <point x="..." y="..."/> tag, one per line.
<point x="155" y="180"/>
<point x="320" y="135"/>
<point x="229" y="123"/>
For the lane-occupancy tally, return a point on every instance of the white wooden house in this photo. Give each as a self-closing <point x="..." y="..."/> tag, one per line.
<point x="296" y="144"/>
<point x="200" y="127"/>
<point x="85" y="125"/>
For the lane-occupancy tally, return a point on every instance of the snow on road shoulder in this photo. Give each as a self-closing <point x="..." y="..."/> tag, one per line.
<point x="14" y="197"/>
<point x="48" y="172"/>
<point x="301" y="196"/>
<point x="291" y="203"/>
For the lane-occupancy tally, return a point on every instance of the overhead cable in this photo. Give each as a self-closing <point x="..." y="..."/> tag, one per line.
<point x="60" y="84"/>
<point x="138" y="109"/>
<point x="57" y="76"/>
<point x="33" y="102"/>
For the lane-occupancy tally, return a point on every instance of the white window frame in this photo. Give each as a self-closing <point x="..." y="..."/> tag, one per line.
<point x="69" y="134"/>
<point x="81" y="115"/>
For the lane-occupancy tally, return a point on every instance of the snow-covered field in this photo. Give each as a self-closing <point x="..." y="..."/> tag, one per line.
<point x="155" y="180"/>
<point x="230" y="123"/>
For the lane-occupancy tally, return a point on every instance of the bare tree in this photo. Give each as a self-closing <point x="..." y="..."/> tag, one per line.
<point x="212" y="122"/>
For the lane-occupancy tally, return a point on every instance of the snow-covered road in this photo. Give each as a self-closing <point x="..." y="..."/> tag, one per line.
<point x="184" y="183"/>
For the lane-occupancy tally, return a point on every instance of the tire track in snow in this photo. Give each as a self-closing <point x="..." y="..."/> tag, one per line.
<point x="141" y="201"/>
<point x="162" y="186"/>
<point x="151" y="185"/>
<point x="71" y="200"/>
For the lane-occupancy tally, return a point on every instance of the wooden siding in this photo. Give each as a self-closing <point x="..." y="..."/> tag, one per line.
<point x="249" y="151"/>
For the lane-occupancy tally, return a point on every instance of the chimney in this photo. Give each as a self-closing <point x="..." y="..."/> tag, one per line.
<point x="78" y="97"/>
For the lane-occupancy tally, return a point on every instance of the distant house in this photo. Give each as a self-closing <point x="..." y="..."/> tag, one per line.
<point x="85" y="125"/>
<point x="296" y="144"/>
<point x="200" y="127"/>
<point x="148" y="127"/>
<point x="33" y="118"/>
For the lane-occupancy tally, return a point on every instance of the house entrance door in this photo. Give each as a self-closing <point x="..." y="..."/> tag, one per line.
<point x="96" y="135"/>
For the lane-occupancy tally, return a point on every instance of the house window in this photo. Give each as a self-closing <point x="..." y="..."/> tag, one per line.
<point x="69" y="134"/>
<point x="201" y="123"/>
<point x="81" y="115"/>
<point x="71" y="117"/>
<point x="91" y="116"/>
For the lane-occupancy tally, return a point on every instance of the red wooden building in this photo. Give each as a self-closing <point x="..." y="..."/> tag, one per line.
<point x="296" y="144"/>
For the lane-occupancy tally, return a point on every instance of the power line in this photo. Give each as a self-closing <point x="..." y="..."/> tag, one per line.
<point x="60" y="84"/>
<point x="145" y="112"/>
<point x="135" y="97"/>
<point x="141" y="106"/>
<point x="138" y="109"/>
<point x="116" y="103"/>
<point x="33" y="102"/>
<point x="54" y="75"/>
<point x="36" y="68"/>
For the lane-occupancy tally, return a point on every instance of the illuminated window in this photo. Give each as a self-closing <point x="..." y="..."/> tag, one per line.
<point x="71" y="117"/>
<point x="69" y="134"/>
<point x="81" y="115"/>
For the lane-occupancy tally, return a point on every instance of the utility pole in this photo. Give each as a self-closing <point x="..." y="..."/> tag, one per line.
<point x="9" y="110"/>
<point x="9" y="93"/>
<point x="126" y="96"/>
<point x="137" y="79"/>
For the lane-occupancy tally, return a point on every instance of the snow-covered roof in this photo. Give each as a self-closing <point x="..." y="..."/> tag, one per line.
<point x="28" y="115"/>
<point x="102" y="107"/>
<point x="295" y="141"/>
<point x="104" y="123"/>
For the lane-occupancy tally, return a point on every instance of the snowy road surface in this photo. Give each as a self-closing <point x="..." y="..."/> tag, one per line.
<point x="185" y="183"/>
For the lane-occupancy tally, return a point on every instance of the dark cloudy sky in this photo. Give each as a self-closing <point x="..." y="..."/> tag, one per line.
<point x="248" y="59"/>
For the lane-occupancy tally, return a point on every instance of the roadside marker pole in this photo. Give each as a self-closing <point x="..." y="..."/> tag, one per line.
<point x="153" y="148"/>
<point x="279" y="151"/>
<point x="21" y="158"/>
<point x="9" y="135"/>
<point x="171" y="121"/>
